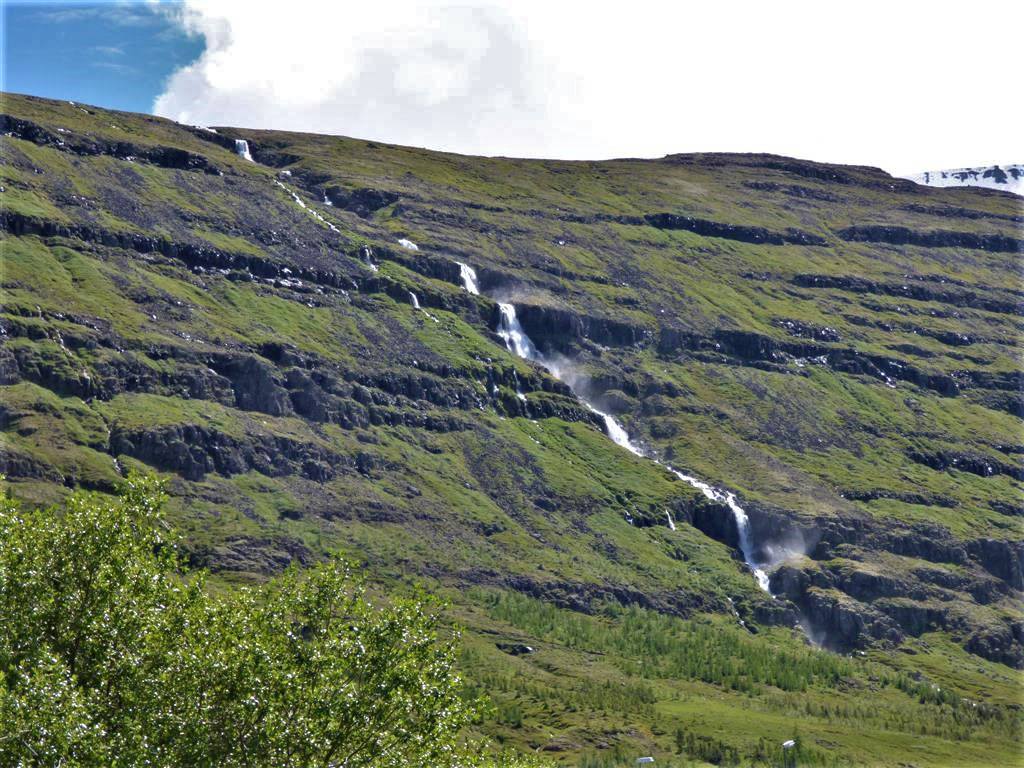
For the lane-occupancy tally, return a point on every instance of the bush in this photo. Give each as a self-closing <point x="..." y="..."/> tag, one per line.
<point x="110" y="655"/>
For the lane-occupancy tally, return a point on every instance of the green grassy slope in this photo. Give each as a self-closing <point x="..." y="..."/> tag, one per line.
<point x="840" y="348"/>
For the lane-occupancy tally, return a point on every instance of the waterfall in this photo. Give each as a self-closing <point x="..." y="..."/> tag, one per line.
<point x="414" y="300"/>
<point x="408" y="244"/>
<point x="368" y="257"/>
<point x="671" y="522"/>
<point x="517" y="341"/>
<point x="468" y="276"/>
<point x="513" y="334"/>
<point x="620" y="437"/>
<point x="242" y="149"/>
<point x="742" y="523"/>
<point x="616" y="431"/>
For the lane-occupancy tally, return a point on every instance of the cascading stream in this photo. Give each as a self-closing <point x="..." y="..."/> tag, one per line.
<point x="516" y="340"/>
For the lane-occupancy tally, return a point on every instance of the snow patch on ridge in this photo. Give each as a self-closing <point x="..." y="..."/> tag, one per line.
<point x="1008" y="178"/>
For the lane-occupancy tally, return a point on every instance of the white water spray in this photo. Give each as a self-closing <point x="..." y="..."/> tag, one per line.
<point x="408" y="244"/>
<point x="671" y="522"/>
<point x="242" y="149"/>
<point x="517" y="341"/>
<point x="414" y="300"/>
<point x="468" y="276"/>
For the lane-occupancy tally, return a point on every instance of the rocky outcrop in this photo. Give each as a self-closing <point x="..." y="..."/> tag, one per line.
<point x="192" y="451"/>
<point x="956" y="296"/>
<point x="196" y="257"/>
<point x="953" y="212"/>
<point x="831" y="589"/>
<point x="362" y="201"/>
<point x="934" y="239"/>
<point x="553" y="328"/>
<point x="757" y="235"/>
<point x="983" y="466"/>
<point x="999" y="642"/>
<point x="14" y="464"/>
<point x="843" y="624"/>
<point x="807" y="331"/>
<point x="165" y="157"/>
<point x="802" y="168"/>
<point x="254" y="382"/>
<point x="590" y="597"/>
<point x="1003" y="559"/>
<point x="248" y="554"/>
<point x="750" y="347"/>
<point x="711" y="518"/>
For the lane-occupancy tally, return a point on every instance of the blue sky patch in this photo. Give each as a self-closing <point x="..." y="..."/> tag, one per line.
<point x="116" y="55"/>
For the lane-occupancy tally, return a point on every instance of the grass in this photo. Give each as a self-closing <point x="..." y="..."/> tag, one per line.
<point x="515" y="518"/>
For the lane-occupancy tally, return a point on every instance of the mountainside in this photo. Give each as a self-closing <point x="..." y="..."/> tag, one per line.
<point x="535" y="387"/>
<point x="1008" y="178"/>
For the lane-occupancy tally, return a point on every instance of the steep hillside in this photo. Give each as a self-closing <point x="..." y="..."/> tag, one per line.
<point x="477" y="373"/>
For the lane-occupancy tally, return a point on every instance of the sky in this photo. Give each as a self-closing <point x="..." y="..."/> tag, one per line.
<point x="907" y="86"/>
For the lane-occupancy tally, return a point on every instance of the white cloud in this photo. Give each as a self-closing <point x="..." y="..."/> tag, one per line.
<point x="902" y="85"/>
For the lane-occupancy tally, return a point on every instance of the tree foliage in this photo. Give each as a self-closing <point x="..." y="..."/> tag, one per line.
<point x="110" y="655"/>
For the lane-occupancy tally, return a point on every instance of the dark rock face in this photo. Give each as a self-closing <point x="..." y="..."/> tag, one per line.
<point x="553" y="328"/>
<point x="845" y="625"/>
<point x="982" y="466"/>
<point x="953" y="212"/>
<point x="192" y="451"/>
<point x="801" y="168"/>
<point x="587" y="598"/>
<point x="1002" y="643"/>
<point x="361" y="201"/>
<point x="252" y="555"/>
<point x="711" y="518"/>
<point x="749" y="346"/>
<point x="196" y="257"/>
<point x="15" y="464"/>
<point x="254" y="383"/>
<point x="937" y="239"/>
<point x="1003" y="559"/>
<point x="731" y="231"/>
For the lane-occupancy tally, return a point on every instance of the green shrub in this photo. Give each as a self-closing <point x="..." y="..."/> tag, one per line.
<point x="109" y="655"/>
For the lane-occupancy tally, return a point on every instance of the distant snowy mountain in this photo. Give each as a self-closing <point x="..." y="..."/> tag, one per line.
<point x="1009" y="178"/>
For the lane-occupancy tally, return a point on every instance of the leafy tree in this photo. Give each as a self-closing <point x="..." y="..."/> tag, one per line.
<point x="109" y="655"/>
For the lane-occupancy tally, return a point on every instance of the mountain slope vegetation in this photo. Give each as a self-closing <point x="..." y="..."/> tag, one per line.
<point x="289" y="342"/>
